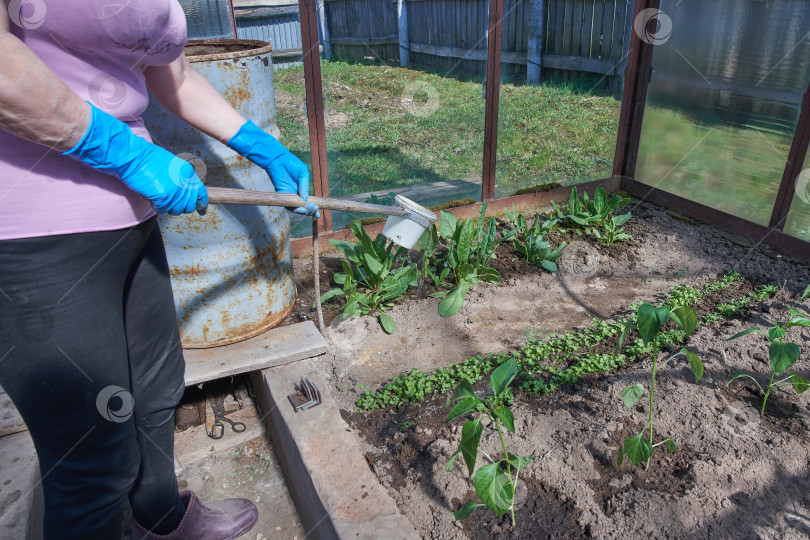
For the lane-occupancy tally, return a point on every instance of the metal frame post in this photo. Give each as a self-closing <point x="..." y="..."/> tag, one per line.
<point x="493" y="86"/>
<point x="308" y="10"/>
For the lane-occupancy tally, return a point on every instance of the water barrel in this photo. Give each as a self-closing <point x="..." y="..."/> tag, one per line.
<point x="231" y="269"/>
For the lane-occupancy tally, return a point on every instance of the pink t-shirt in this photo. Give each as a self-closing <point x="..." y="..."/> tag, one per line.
<point x="99" y="49"/>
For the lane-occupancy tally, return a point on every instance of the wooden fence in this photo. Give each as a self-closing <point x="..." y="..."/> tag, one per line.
<point x="573" y="35"/>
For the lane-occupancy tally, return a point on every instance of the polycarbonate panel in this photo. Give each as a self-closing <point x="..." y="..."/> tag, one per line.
<point x="798" y="220"/>
<point x="207" y="19"/>
<point x="415" y="131"/>
<point x="723" y="103"/>
<point x="563" y="128"/>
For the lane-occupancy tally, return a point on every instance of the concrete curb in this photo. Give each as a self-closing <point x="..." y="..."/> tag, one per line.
<point x="336" y="493"/>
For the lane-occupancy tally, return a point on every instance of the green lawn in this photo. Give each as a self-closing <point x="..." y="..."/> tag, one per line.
<point x="553" y="132"/>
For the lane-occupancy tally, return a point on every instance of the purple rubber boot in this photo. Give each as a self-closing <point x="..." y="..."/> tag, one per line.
<point x="220" y="520"/>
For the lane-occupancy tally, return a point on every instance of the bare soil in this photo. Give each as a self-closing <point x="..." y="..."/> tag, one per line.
<point x="735" y="475"/>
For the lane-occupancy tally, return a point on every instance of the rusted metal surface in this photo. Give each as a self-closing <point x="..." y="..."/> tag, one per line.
<point x="634" y="98"/>
<point x="231" y="269"/>
<point x="314" y="96"/>
<point x="530" y="201"/>
<point x="492" y="97"/>
<point x="781" y="242"/>
<point x="793" y="167"/>
<point x="305" y="398"/>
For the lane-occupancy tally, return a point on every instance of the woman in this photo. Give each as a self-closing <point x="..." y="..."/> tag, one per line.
<point x="89" y="348"/>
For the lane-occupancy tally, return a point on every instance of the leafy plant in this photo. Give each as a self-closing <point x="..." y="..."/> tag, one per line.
<point x="428" y="244"/>
<point x="386" y="200"/>
<point x="494" y="483"/>
<point x="471" y="244"/>
<point x="369" y="282"/>
<point x="537" y="250"/>
<point x="650" y="321"/>
<point x="594" y="215"/>
<point x="782" y="355"/>
<point x="611" y="231"/>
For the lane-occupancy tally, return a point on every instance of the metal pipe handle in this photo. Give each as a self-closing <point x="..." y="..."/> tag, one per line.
<point x="218" y="195"/>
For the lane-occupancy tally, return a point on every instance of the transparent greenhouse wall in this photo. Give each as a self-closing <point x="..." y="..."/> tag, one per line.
<point x="416" y="131"/>
<point x="724" y="101"/>
<point x="562" y="130"/>
<point x="798" y="220"/>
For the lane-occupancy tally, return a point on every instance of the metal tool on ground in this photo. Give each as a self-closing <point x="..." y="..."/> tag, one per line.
<point x="307" y="397"/>
<point x="214" y="427"/>
<point x="406" y="223"/>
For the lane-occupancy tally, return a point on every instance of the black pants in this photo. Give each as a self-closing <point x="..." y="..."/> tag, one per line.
<point x="90" y="355"/>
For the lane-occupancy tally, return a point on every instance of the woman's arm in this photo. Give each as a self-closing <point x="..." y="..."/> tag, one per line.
<point x="189" y="95"/>
<point x="34" y="102"/>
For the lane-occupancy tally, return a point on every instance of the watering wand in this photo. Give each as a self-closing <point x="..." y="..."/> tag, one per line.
<point x="405" y="224"/>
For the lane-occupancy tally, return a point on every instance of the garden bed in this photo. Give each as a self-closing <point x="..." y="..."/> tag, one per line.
<point x="733" y="475"/>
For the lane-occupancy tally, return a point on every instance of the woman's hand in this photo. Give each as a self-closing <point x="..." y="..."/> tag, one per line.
<point x="287" y="172"/>
<point x="165" y="179"/>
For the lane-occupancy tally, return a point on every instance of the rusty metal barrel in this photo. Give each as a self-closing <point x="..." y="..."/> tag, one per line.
<point x="231" y="269"/>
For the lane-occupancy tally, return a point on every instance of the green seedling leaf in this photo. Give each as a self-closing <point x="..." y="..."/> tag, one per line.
<point x="783" y="356"/>
<point x="797" y="318"/>
<point x="374" y="266"/>
<point x="686" y="318"/>
<point x="618" y="221"/>
<point x="620" y="457"/>
<point x="465" y="241"/>
<point x="549" y="265"/>
<point x="463" y="407"/>
<point x="806" y="294"/>
<point x="694" y="363"/>
<point x="503" y="376"/>
<point x="450" y="462"/>
<point x="631" y="394"/>
<point x="447" y="224"/>
<point x="464" y="390"/>
<point x="743" y="375"/>
<point x="387" y="323"/>
<point x="451" y="304"/>
<point x="626" y="330"/>
<point x="744" y="333"/>
<point x="349" y="249"/>
<point x="776" y="333"/>
<point x="637" y="449"/>
<point x="519" y="463"/>
<point x="799" y="383"/>
<point x="671" y="446"/>
<point x="506" y="416"/>
<point x="470" y="437"/>
<point x="650" y="320"/>
<point x="328" y="295"/>
<point x="464" y="512"/>
<point x="494" y="488"/>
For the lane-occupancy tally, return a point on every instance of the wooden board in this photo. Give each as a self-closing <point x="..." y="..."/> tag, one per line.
<point x="278" y="346"/>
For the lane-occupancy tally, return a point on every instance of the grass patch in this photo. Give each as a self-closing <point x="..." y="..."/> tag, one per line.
<point x="553" y="132"/>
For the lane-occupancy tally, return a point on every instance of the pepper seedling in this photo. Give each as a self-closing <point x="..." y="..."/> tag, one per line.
<point x="649" y="322"/>
<point x="494" y="483"/>
<point x="782" y="355"/>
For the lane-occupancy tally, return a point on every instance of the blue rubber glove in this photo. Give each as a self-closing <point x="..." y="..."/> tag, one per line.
<point x="170" y="182"/>
<point x="287" y="172"/>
